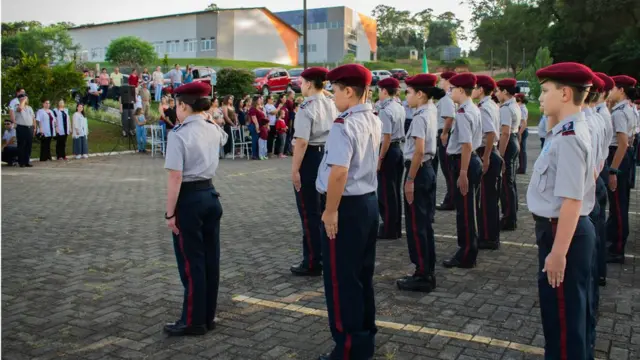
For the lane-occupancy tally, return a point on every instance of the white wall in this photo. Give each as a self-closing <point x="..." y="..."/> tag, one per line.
<point x="319" y="39"/>
<point x="257" y="38"/>
<point x="164" y="29"/>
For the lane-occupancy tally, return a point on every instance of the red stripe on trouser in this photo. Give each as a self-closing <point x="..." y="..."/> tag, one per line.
<point x="483" y="195"/>
<point x="334" y="285"/>
<point x="616" y="195"/>
<point x="466" y="219"/>
<point x="562" y="316"/>
<point x="449" y="174"/>
<point x="305" y="228"/>
<point x="187" y="272"/>
<point x="416" y="239"/>
<point x="347" y="348"/>
<point x="385" y="199"/>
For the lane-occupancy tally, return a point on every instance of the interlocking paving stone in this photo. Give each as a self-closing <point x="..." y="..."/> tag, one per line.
<point x="88" y="272"/>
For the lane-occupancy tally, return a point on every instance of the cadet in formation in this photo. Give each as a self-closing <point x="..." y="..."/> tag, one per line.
<point x="602" y="111"/>
<point x="313" y="121"/>
<point x="193" y="209"/>
<point x="420" y="182"/>
<point x="408" y="111"/>
<point x="620" y="167"/>
<point x="542" y="127"/>
<point x="446" y="115"/>
<point x="561" y="195"/>
<point x="347" y="177"/>
<point x="510" y="117"/>
<point x="466" y="168"/>
<point x="523" y="132"/>
<point x="487" y="203"/>
<point x="390" y="164"/>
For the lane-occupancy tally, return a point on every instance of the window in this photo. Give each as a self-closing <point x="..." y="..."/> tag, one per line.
<point x="207" y="44"/>
<point x="160" y="47"/>
<point x="172" y="46"/>
<point x="311" y="48"/>
<point x="352" y="49"/>
<point x="190" y="45"/>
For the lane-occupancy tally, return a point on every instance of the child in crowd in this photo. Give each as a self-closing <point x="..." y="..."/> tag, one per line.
<point x="80" y="133"/>
<point x="281" y="131"/>
<point x="262" y="141"/>
<point x="141" y="134"/>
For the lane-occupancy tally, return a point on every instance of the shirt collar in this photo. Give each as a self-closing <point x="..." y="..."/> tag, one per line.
<point x="317" y="96"/>
<point x="621" y="104"/>
<point x="509" y="102"/>
<point x="194" y="117"/>
<point x="466" y="103"/>
<point x="484" y="100"/>
<point x="357" y="108"/>
<point x="587" y="111"/>
<point x="579" y="116"/>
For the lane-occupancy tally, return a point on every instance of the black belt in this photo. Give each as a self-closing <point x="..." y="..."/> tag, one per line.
<point x="459" y="156"/>
<point x="318" y="148"/>
<point x="396" y="142"/>
<point x="544" y="219"/>
<point x="27" y="126"/>
<point x="196" y="185"/>
<point x="407" y="163"/>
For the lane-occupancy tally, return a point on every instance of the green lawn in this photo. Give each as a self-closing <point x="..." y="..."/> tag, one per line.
<point x="534" y="113"/>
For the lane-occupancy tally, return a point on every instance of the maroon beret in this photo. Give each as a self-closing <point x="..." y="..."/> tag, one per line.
<point x="195" y="89"/>
<point x="421" y="80"/>
<point x="448" y="75"/>
<point x="624" y="80"/>
<point x="519" y="96"/>
<point x="608" y="82"/>
<point x="486" y="81"/>
<point x="598" y="84"/>
<point x="569" y="73"/>
<point x="315" y="72"/>
<point x="464" y="80"/>
<point x="389" y="83"/>
<point x="506" y="83"/>
<point x="350" y="75"/>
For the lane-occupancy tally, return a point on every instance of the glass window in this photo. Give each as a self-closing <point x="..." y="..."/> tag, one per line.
<point x="261" y="72"/>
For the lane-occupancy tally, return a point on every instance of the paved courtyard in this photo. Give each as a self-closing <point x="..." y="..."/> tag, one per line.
<point x="88" y="272"/>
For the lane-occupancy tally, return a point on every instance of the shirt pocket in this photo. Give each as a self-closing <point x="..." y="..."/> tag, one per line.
<point x="541" y="170"/>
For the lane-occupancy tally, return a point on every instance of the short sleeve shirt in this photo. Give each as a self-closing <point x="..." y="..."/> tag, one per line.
<point x="193" y="148"/>
<point x="622" y="123"/>
<point x="423" y="126"/>
<point x="354" y="143"/>
<point x="489" y="114"/>
<point x="8" y="135"/>
<point x="392" y="115"/>
<point x="446" y="109"/>
<point x="510" y="115"/>
<point x="466" y="130"/>
<point x="25" y="117"/>
<point x="117" y="79"/>
<point x="314" y="119"/>
<point x="259" y="114"/>
<point x="562" y="170"/>
<point x="542" y="127"/>
<point x="268" y="108"/>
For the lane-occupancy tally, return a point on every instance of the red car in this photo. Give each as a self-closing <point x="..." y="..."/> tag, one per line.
<point x="269" y="80"/>
<point x="399" y="74"/>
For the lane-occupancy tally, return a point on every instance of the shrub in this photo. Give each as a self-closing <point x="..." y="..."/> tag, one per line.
<point x="236" y="82"/>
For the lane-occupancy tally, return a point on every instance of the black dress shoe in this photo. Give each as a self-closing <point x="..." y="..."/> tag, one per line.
<point x="454" y="262"/>
<point x="615" y="259"/>
<point x="445" y="207"/>
<point x="416" y="282"/>
<point x="504" y="226"/>
<point x="602" y="281"/>
<point x="180" y="329"/>
<point x="488" y="245"/>
<point x="301" y="270"/>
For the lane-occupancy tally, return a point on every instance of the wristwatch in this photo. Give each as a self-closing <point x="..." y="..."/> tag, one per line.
<point x="169" y="217"/>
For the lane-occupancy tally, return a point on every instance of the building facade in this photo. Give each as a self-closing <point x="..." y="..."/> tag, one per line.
<point x="333" y="33"/>
<point x="240" y="34"/>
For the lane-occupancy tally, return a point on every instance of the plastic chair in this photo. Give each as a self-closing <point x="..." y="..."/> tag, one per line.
<point x="239" y="141"/>
<point x="155" y="137"/>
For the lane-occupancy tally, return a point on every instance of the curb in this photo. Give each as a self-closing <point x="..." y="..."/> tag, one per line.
<point x="113" y="153"/>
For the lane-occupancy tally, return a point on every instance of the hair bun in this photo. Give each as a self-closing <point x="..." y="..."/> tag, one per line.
<point x="517" y="89"/>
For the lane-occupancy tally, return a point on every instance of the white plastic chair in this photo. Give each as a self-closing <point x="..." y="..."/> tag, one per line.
<point x="155" y="137"/>
<point x="238" y="141"/>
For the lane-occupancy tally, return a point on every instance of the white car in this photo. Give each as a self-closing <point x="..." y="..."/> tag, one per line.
<point x="524" y="87"/>
<point x="381" y="74"/>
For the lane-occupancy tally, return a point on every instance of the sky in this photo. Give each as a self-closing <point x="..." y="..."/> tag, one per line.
<point x="81" y="12"/>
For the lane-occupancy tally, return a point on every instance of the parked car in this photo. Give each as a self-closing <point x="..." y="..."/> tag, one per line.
<point x="271" y="80"/>
<point x="524" y="87"/>
<point x="381" y="74"/>
<point x="399" y="74"/>
<point x="294" y="74"/>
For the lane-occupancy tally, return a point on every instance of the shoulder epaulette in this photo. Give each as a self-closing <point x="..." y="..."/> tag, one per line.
<point x="461" y="110"/>
<point x="175" y="128"/>
<point x="418" y="112"/>
<point x="338" y="121"/>
<point x="568" y="129"/>
<point x="304" y="104"/>
<point x="620" y="107"/>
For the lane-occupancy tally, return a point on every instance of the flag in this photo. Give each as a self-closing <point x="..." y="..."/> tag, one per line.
<point x="425" y="66"/>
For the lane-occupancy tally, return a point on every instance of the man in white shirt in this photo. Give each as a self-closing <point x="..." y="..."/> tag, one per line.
<point x="94" y="93"/>
<point x="9" y="144"/>
<point x="176" y="76"/>
<point x="14" y="103"/>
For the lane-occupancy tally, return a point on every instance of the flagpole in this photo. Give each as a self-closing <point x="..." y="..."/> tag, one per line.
<point x="425" y="65"/>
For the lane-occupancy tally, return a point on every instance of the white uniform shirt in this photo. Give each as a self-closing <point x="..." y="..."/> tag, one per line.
<point x="80" y="125"/>
<point x="490" y="116"/>
<point x="622" y="120"/>
<point x="424" y="126"/>
<point x="563" y="170"/>
<point x="446" y="109"/>
<point x="392" y="115"/>
<point x="314" y="119"/>
<point x="61" y="118"/>
<point x="510" y="115"/>
<point x="542" y="127"/>
<point x="467" y="128"/>
<point x="354" y="143"/>
<point x="46" y="119"/>
<point x="602" y="110"/>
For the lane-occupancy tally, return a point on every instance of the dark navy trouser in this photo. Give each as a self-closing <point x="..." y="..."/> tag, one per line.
<point x="618" y="222"/>
<point x="197" y="249"/>
<point x="419" y="219"/>
<point x="445" y="166"/>
<point x="602" y="197"/>
<point x="348" y="278"/>
<point x="632" y="165"/>
<point x="522" y="156"/>
<point x="466" y="208"/>
<point x="309" y="204"/>
<point x="598" y="256"/>
<point x="565" y="310"/>
<point x="389" y="200"/>
<point x="488" y="199"/>
<point x="509" y="193"/>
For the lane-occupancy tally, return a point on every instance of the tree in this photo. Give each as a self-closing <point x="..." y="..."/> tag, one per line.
<point x="130" y="51"/>
<point x="40" y="80"/>
<point x="52" y="42"/>
<point x="543" y="58"/>
<point x="348" y="59"/>
<point x="236" y="82"/>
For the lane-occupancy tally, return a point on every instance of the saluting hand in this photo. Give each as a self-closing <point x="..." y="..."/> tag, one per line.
<point x="554" y="266"/>
<point x="295" y="178"/>
<point x="171" y="224"/>
<point x="330" y="221"/>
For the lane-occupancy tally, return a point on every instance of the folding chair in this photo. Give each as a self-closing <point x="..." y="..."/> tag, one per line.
<point x="239" y="141"/>
<point x="155" y="136"/>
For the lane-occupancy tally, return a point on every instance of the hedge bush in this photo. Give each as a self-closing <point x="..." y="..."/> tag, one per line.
<point x="236" y="82"/>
